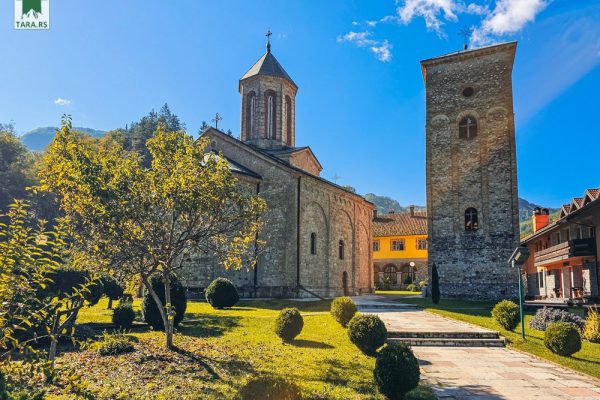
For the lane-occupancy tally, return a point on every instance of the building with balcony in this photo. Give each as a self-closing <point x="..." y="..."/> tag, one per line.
<point x="400" y="249"/>
<point x="564" y="254"/>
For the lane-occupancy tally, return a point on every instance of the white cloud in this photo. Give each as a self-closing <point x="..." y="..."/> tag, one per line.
<point x="381" y="49"/>
<point x="508" y="17"/>
<point x="62" y="102"/>
<point x="432" y="12"/>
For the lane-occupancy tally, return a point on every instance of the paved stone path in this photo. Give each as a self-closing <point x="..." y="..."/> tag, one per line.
<point x="480" y="373"/>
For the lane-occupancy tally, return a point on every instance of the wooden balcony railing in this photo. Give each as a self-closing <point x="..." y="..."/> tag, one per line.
<point x="566" y="250"/>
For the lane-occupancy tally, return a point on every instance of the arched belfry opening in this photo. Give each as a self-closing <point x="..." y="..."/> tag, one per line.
<point x="268" y="103"/>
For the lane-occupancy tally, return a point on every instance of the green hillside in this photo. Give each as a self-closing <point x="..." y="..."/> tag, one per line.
<point x="38" y="139"/>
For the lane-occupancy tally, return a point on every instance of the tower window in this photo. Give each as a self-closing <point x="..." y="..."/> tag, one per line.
<point x="250" y="115"/>
<point x="468" y="91"/>
<point x="341" y="248"/>
<point x="313" y="243"/>
<point x="471" y="219"/>
<point x="271" y="113"/>
<point x="467" y="128"/>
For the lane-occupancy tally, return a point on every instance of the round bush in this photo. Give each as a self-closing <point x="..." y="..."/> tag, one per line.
<point x="413" y="287"/>
<point x="65" y="282"/>
<point x="367" y="332"/>
<point x="506" y="314"/>
<point x="112" y="288"/>
<point x="123" y="315"/>
<point x="343" y="309"/>
<point x="289" y="324"/>
<point x="117" y="343"/>
<point x="178" y="301"/>
<point x="269" y="388"/>
<point x="545" y="316"/>
<point x="221" y="293"/>
<point x="396" y="371"/>
<point x="562" y="338"/>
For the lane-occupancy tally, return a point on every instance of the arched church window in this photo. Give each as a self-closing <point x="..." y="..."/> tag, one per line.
<point x="313" y="243"/>
<point x="471" y="219"/>
<point x="467" y="128"/>
<point x="271" y="113"/>
<point x="250" y="115"/>
<point x="288" y="119"/>
<point x="341" y="249"/>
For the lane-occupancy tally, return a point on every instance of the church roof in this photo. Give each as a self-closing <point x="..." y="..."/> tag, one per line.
<point x="400" y="224"/>
<point x="268" y="65"/>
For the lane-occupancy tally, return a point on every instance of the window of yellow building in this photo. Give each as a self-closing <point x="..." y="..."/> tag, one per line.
<point x="376" y="245"/>
<point x="398" y="245"/>
<point x="422" y="244"/>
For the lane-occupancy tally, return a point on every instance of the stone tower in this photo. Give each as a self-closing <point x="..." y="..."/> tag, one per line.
<point x="472" y="201"/>
<point x="268" y="104"/>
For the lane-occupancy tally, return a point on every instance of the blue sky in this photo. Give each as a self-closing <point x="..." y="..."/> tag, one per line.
<point x="360" y="105"/>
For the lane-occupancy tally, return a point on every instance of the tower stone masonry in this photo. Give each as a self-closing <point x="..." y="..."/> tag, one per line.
<point x="472" y="198"/>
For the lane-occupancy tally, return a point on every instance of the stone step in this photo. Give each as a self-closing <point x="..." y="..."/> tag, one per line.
<point x="444" y="335"/>
<point x="448" y="342"/>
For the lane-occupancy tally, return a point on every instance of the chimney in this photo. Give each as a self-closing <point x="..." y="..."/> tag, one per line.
<point x="391" y="211"/>
<point x="540" y="218"/>
<point x="412" y="211"/>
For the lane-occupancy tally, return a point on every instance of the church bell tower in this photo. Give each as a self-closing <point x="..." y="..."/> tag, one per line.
<point x="268" y="104"/>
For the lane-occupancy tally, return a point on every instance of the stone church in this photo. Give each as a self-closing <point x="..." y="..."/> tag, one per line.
<point x="472" y="200"/>
<point x="317" y="235"/>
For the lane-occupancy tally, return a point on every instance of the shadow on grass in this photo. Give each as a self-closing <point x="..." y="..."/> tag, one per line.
<point x="202" y="325"/>
<point x="269" y="388"/>
<point x="275" y="304"/>
<point x="311" y="344"/>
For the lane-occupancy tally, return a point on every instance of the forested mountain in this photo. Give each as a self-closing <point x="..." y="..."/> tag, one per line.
<point x="38" y="139"/>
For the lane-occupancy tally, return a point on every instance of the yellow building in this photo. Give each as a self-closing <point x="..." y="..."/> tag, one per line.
<point x="400" y="249"/>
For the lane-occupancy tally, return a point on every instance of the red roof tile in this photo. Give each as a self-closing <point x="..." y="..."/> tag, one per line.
<point x="400" y="224"/>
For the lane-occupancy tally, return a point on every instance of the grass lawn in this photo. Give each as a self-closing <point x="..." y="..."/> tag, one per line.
<point x="587" y="360"/>
<point x="222" y="350"/>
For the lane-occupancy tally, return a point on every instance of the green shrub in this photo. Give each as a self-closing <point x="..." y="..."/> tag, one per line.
<point x="423" y="283"/>
<point x="562" y="338"/>
<point x="269" y="388"/>
<point x="65" y="282"/>
<point x="123" y="315"/>
<point x="343" y="309"/>
<point x="112" y="289"/>
<point x="289" y="324"/>
<point x="221" y="293"/>
<point x="413" y="287"/>
<point x="178" y="301"/>
<point x="506" y="314"/>
<point x="367" y="332"/>
<point x="3" y="393"/>
<point x="591" y="330"/>
<point x="117" y="343"/>
<point x="396" y="371"/>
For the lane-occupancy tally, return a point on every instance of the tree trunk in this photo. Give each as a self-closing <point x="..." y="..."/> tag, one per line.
<point x="159" y="305"/>
<point x="169" y="311"/>
<point x="53" y="339"/>
<point x="110" y="303"/>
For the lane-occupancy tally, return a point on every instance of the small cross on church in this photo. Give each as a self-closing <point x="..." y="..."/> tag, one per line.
<point x="216" y="120"/>
<point x="268" y="35"/>
<point x="465" y="32"/>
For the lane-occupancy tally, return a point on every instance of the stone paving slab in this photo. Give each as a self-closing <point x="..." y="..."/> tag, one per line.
<point x="465" y="373"/>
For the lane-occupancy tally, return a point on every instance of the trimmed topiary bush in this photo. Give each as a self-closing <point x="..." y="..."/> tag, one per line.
<point x="66" y="281"/>
<point x="112" y="289"/>
<point x="123" y="315"/>
<point x="269" y="388"/>
<point x="289" y="324"/>
<point x="343" y="309"/>
<point x="367" y="332"/>
<point x="413" y="287"/>
<point x="178" y="301"/>
<point x="545" y="316"/>
<point x="221" y="293"/>
<point x="591" y="330"/>
<point x="562" y="338"/>
<point x="423" y="283"/>
<point x="396" y="371"/>
<point x="116" y="343"/>
<point x="506" y="314"/>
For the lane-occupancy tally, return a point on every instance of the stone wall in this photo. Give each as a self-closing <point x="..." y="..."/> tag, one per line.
<point x="478" y="172"/>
